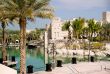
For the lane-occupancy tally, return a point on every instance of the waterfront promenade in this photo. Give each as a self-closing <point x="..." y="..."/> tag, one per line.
<point x="7" y="70"/>
<point x="81" y="68"/>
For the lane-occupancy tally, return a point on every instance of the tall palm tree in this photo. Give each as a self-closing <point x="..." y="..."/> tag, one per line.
<point x="26" y="10"/>
<point x="84" y="36"/>
<point x="91" y="23"/>
<point x="66" y="27"/>
<point x="4" y="23"/>
<point x="93" y="27"/>
<point x="4" y="52"/>
<point x="77" y="26"/>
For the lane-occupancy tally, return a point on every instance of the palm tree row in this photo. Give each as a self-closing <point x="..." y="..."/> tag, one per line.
<point x="89" y="29"/>
<point x="13" y="35"/>
<point x="25" y="10"/>
<point x="82" y="28"/>
<point x="34" y="35"/>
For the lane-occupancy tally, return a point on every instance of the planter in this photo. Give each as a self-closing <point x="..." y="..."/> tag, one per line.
<point x="30" y="69"/>
<point x="92" y="59"/>
<point x="59" y="63"/>
<point x="13" y="58"/>
<point x="74" y="60"/>
<point x="1" y="60"/>
<point x="48" y="67"/>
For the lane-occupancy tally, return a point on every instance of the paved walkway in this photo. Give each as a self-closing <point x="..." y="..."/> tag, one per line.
<point x="81" y="68"/>
<point x="6" y="70"/>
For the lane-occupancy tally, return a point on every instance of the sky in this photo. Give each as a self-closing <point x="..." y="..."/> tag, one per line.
<point x="68" y="9"/>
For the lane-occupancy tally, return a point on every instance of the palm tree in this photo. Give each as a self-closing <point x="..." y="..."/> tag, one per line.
<point x="90" y="28"/>
<point x="1" y="36"/>
<point x="26" y="10"/>
<point x="77" y="26"/>
<point x="4" y="53"/>
<point x="106" y="29"/>
<point x="4" y="23"/>
<point x="98" y="29"/>
<point x="91" y="23"/>
<point x="66" y="27"/>
<point x="84" y="36"/>
<point x="93" y="27"/>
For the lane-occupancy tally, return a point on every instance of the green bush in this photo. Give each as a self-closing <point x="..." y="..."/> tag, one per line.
<point x="97" y="45"/>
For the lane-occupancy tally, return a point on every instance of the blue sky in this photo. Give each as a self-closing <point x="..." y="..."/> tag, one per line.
<point x="68" y="9"/>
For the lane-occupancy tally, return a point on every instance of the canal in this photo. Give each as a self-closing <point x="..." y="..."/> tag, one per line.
<point x="34" y="57"/>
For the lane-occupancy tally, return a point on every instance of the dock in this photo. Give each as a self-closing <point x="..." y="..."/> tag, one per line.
<point x="10" y="63"/>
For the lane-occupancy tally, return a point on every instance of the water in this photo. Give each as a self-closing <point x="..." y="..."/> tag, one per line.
<point x="34" y="57"/>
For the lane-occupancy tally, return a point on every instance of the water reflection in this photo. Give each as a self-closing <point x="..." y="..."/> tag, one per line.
<point x="34" y="57"/>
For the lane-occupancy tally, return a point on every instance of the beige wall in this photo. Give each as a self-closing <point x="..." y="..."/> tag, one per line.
<point x="56" y="29"/>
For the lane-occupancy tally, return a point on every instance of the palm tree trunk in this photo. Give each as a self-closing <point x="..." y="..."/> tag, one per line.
<point x="89" y="48"/>
<point x="22" y="23"/>
<point x="68" y="42"/>
<point x="84" y="48"/>
<point x="4" y="53"/>
<point x="100" y="36"/>
<point x="69" y="35"/>
<point x="77" y="37"/>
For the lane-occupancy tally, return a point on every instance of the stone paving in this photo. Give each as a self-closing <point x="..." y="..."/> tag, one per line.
<point x="81" y="68"/>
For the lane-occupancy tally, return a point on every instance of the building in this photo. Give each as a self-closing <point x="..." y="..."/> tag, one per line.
<point x="55" y="30"/>
<point x="106" y="17"/>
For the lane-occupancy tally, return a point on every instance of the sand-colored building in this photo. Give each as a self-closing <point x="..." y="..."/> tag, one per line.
<point x="55" y="30"/>
<point x="106" y="17"/>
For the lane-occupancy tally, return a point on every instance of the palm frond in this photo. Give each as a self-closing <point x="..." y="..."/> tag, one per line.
<point x="27" y="8"/>
<point x="66" y="25"/>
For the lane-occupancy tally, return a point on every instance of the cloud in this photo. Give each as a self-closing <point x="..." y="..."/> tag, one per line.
<point x="81" y="4"/>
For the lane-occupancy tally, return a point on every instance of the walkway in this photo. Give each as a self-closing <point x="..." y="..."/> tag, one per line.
<point x="81" y="68"/>
<point x="6" y="70"/>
